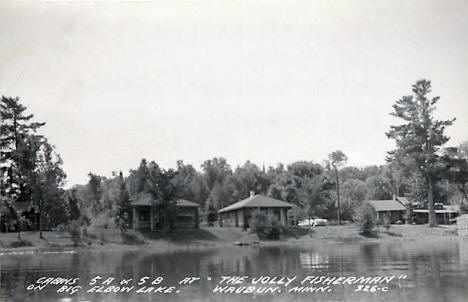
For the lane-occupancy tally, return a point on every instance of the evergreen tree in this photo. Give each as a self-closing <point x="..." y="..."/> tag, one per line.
<point x="124" y="206"/>
<point x="15" y="128"/>
<point x="420" y="137"/>
<point x="73" y="203"/>
<point x="95" y="191"/>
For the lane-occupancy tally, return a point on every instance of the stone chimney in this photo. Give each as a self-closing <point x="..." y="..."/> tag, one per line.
<point x="252" y="194"/>
<point x="394" y="197"/>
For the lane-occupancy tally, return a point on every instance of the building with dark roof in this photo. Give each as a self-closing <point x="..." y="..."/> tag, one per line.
<point x="445" y="214"/>
<point x="392" y="209"/>
<point x="403" y="200"/>
<point x="240" y="213"/>
<point x="396" y="208"/>
<point x="147" y="215"/>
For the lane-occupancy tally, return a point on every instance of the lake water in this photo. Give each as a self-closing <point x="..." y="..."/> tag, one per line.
<point x="427" y="271"/>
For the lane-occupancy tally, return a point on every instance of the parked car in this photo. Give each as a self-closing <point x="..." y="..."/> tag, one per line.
<point x="320" y="222"/>
<point x="306" y="223"/>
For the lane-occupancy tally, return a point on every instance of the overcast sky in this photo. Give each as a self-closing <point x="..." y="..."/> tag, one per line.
<point x="272" y="81"/>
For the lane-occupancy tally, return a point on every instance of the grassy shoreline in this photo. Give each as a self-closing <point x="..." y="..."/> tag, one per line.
<point x="111" y="239"/>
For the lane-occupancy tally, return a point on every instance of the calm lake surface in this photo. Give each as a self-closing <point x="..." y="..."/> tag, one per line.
<point x="435" y="271"/>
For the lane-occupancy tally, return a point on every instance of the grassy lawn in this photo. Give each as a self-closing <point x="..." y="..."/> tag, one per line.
<point x="31" y="239"/>
<point x="395" y="232"/>
<point x="99" y="236"/>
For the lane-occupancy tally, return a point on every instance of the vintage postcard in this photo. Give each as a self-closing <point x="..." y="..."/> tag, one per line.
<point x="233" y="151"/>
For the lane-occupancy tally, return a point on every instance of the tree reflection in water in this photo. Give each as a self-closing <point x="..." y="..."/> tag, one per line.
<point x="436" y="271"/>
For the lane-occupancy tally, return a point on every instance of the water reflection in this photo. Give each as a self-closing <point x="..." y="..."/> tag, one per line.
<point x="314" y="260"/>
<point x="435" y="271"/>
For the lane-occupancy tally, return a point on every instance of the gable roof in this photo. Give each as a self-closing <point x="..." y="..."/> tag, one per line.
<point x="143" y="200"/>
<point x="257" y="201"/>
<point x="147" y="200"/>
<point x="387" y="205"/>
<point x="403" y="200"/>
<point x="186" y="204"/>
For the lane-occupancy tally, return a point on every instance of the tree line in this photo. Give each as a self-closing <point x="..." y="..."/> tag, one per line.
<point x="30" y="171"/>
<point x="421" y="168"/>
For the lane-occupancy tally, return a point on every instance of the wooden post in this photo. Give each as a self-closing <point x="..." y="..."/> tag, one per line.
<point x="283" y="217"/>
<point x="430" y="201"/>
<point x="244" y="218"/>
<point x="151" y="219"/>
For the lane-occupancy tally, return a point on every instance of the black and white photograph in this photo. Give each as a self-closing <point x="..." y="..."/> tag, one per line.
<point x="234" y="151"/>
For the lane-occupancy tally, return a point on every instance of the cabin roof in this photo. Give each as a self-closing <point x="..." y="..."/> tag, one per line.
<point x="403" y="200"/>
<point x="386" y="205"/>
<point x="186" y="204"/>
<point x="143" y="200"/>
<point x="257" y="201"/>
<point x="447" y="209"/>
<point x="147" y="200"/>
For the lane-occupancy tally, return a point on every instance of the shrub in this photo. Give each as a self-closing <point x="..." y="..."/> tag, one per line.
<point x="265" y="226"/>
<point x="296" y="232"/>
<point x="86" y="220"/>
<point x="60" y="227"/>
<point x="408" y="216"/>
<point x="132" y="238"/>
<point x="20" y="243"/>
<point x="123" y="221"/>
<point x="102" y="236"/>
<point x="259" y="223"/>
<point x="274" y="228"/>
<point x="386" y="222"/>
<point x="463" y="207"/>
<point x="365" y="217"/>
<point x="74" y="229"/>
<point x="211" y="216"/>
<point x="88" y="235"/>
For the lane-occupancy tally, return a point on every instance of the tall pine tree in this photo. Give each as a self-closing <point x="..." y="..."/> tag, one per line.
<point x="420" y="137"/>
<point x="15" y="128"/>
<point x="124" y="205"/>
